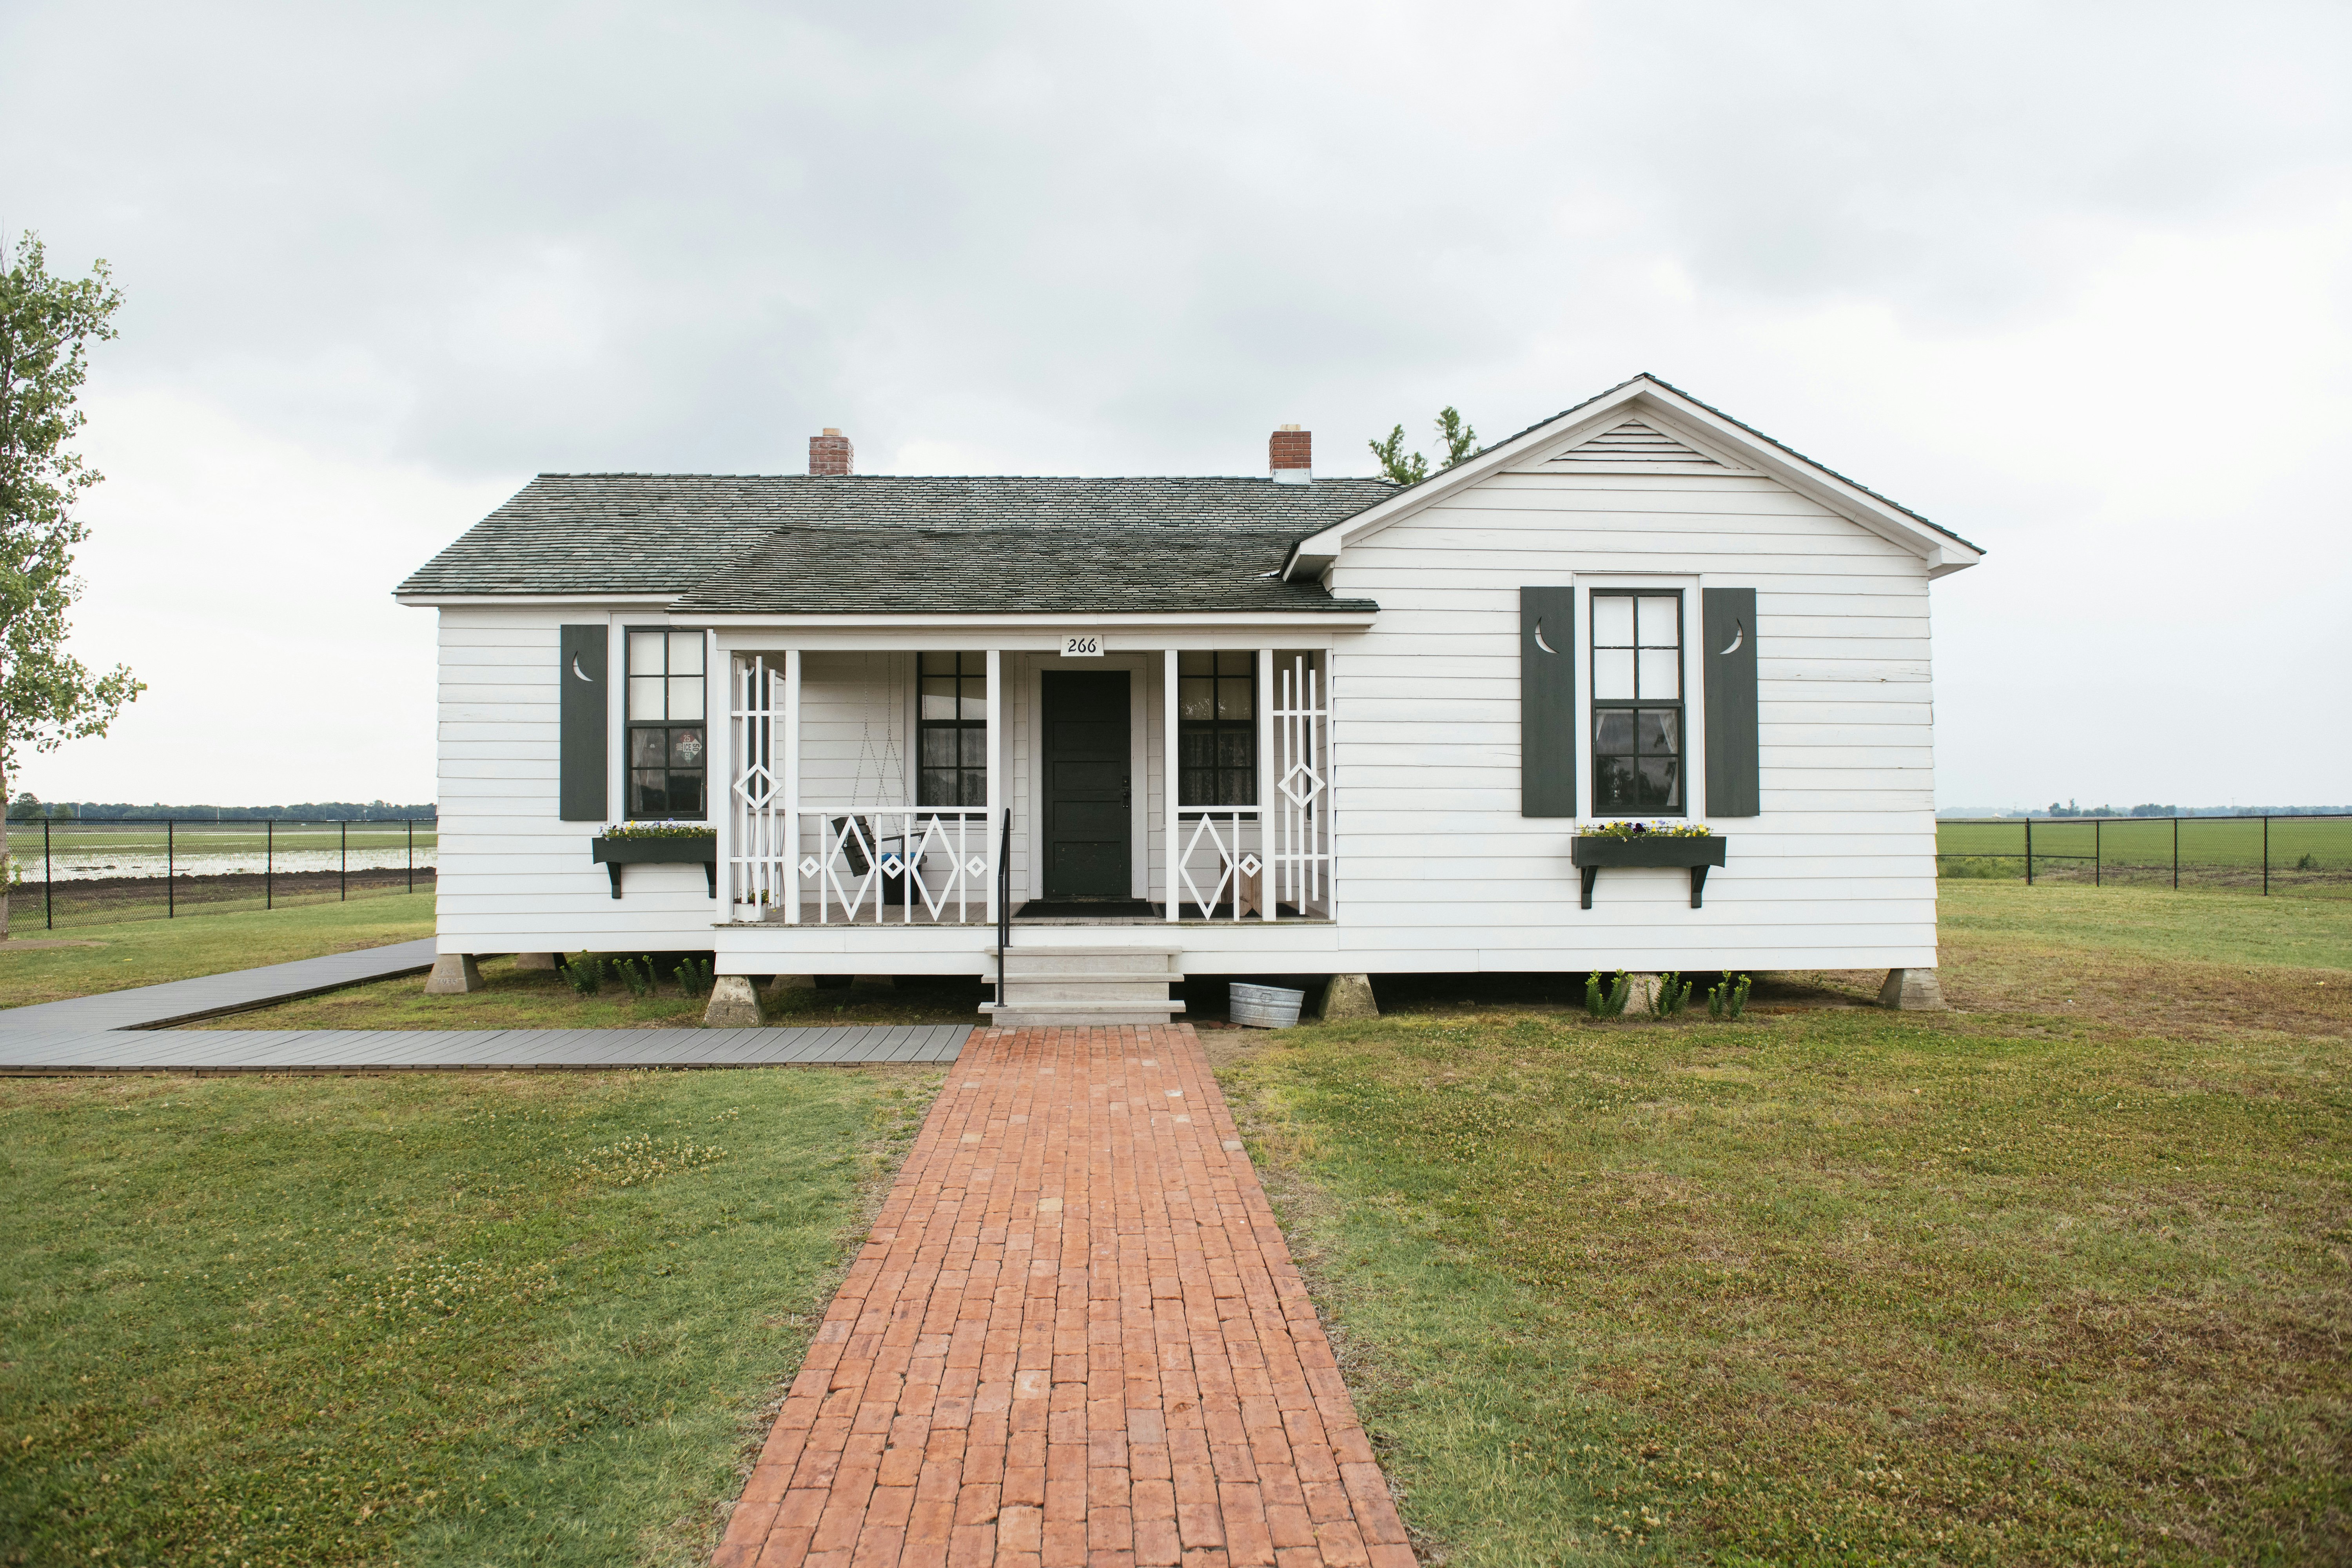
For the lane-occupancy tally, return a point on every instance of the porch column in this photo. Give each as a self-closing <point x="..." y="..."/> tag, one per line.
<point x="1269" y="885"/>
<point x="991" y="831"/>
<point x="790" y="742"/>
<point x="1171" y="788"/>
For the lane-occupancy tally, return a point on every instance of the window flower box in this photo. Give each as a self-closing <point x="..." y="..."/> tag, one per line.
<point x="1589" y="852"/>
<point x="662" y="847"/>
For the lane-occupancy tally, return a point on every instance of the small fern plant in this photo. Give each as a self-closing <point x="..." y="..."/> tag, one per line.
<point x="1671" y="997"/>
<point x="1607" y="1002"/>
<point x="637" y="975"/>
<point x="585" y="972"/>
<point x="693" y="977"/>
<point x="1728" y="1000"/>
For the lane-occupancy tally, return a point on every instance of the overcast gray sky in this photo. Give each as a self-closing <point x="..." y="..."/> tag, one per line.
<point x="2071" y="281"/>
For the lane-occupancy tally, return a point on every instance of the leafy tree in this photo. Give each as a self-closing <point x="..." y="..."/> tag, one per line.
<point x="1403" y="468"/>
<point x="46" y="695"/>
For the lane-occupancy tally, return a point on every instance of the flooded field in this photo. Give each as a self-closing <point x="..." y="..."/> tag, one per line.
<point x="96" y="852"/>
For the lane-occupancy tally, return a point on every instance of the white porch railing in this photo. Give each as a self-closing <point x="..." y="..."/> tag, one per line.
<point x="895" y="864"/>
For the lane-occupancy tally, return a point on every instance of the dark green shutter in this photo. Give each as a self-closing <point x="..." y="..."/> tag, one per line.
<point x="1546" y="702"/>
<point x="584" y="754"/>
<point x="1729" y="623"/>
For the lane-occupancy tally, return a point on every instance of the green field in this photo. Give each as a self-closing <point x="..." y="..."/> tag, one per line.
<point x="2058" y="1277"/>
<point x="149" y="952"/>
<point x="2306" y="855"/>
<point x="455" y="1319"/>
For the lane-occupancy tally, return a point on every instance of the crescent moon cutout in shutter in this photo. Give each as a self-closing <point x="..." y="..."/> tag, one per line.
<point x="580" y="672"/>
<point x="1539" y="638"/>
<point x="1738" y="635"/>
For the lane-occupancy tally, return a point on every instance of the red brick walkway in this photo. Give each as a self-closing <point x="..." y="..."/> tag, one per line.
<point x="1074" y="1337"/>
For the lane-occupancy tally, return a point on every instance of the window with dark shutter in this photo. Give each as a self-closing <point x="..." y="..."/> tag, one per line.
<point x="1637" y="702"/>
<point x="668" y="740"/>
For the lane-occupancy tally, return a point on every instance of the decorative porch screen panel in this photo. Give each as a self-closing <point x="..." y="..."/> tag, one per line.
<point x="951" y="732"/>
<point x="1216" y="715"/>
<point x="1637" y="702"/>
<point x="668" y="744"/>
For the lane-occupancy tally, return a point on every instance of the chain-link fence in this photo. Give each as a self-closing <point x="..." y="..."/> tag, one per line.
<point x="65" y="872"/>
<point x="2306" y="856"/>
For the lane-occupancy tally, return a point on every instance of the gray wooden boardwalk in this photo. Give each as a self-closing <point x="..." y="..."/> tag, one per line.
<point x="129" y="1031"/>
<point x="51" y="1052"/>
<point x="209" y="995"/>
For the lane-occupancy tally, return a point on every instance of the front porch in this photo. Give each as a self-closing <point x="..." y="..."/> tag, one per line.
<point x="911" y="782"/>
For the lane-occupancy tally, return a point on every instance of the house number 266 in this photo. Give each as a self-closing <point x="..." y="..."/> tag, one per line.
<point x="1087" y="644"/>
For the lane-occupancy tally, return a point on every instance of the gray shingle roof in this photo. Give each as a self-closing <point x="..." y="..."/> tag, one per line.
<point x="881" y="543"/>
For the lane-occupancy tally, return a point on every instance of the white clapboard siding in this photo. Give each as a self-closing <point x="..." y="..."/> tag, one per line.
<point x="1437" y="868"/>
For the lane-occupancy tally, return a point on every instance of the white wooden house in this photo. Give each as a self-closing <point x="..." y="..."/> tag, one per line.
<point x="912" y="709"/>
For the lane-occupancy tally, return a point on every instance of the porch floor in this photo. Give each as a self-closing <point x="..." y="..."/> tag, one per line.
<point x="977" y="921"/>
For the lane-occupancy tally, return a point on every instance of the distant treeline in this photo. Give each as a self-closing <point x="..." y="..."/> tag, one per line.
<point x="28" y="807"/>
<point x="2071" y="809"/>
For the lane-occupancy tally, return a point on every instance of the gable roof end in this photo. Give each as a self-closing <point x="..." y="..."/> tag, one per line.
<point x="1646" y="398"/>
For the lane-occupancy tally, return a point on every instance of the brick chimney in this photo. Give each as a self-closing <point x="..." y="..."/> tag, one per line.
<point x="831" y="454"/>
<point x="1290" y="454"/>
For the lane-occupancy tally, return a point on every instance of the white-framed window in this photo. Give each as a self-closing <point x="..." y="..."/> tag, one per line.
<point x="1640" y="750"/>
<point x="668" y="744"/>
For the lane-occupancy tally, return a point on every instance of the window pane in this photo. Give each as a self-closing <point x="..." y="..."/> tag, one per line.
<point x="646" y="697"/>
<point x="939" y="697"/>
<point x="1612" y="621"/>
<point x="1661" y="785"/>
<point x="1612" y="731"/>
<point x="1232" y="700"/>
<point x="935" y="786"/>
<point x="644" y="653"/>
<point x="975" y="700"/>
<point x="975" y="788"/>
<point x="685" y="697"/>
<point x="1660" y="622"/>
<point x="1662" y="672"/>
<point x="1195" y="699"/>
<point x="938" y="664"/>
<point x="686" y="653"/>
<point x="1612" y="785"/>
<point x="1199" y="787"/>
<point x="1236" y="749"/>
<point x="1612" y="674"/>
<point x="937" y="743"/>
<point x="648" y="794"/>
<point x="685" y="748"/>
<point x="1196" y="664"/>
<point x="646" y="749"/>
<point x="1196" y="748"/>
<point x="1657" y="731"/>
<point x="975" y="748"/>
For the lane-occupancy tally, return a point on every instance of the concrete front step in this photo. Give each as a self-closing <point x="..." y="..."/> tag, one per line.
<point x="1044" y="1013"/>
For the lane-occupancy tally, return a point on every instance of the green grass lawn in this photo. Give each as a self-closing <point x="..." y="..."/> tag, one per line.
<point x="149" y="951"/>
<point x="2062" y="1277"/>
<point x="514" y="998"/>
<point x="494" y="1319"/>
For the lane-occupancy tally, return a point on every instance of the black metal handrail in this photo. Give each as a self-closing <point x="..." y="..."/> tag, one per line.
<point x="1003" y="900"/>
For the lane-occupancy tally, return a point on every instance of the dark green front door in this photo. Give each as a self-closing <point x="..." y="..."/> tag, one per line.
<point x="1086" y="804"/>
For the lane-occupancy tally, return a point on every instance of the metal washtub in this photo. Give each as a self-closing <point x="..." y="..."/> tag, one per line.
<point x="1263" y="1006"/>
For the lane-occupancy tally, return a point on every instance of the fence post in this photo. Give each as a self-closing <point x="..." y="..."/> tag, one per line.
<point x="171" y="893"/>
<point x="343" y="876"/>
<point x="2098" y="855"/>
<point x="49" y="881"/>
<point x="2175" y="854"/>
<point x="2028" y="851"/>
<point x="268" y="861"/>
<point x="411" y="853"/>
<point x="2266" y="857"/>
